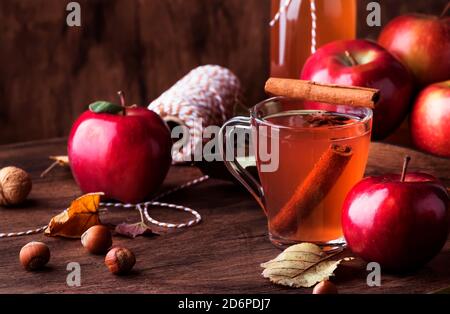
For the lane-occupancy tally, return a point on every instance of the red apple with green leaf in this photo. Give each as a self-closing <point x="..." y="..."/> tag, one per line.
<point x="430" y="119"/>
<point x="422" y="43"/>
<point x="122" y="151"/>
<point x="364" y="63"/>
<point x="398" y="221"/>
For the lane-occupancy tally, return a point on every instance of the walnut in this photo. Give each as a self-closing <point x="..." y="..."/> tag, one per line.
<point x="15" y="185"/>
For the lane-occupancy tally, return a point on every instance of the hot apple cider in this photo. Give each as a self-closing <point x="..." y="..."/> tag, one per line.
<point x="322" y="155"/>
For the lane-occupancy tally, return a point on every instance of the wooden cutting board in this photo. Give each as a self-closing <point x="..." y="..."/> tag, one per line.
<point x="220" y="255"/>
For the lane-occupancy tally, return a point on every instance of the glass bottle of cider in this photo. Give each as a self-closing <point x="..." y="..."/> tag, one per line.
<point x="291" y="36"/>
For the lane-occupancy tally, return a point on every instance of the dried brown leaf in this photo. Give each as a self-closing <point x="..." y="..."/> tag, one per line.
<point x="134" y="230"/>
<point x="61" y="160"/>
<point x="80" y="216"/>
<point x="301" y="265"/>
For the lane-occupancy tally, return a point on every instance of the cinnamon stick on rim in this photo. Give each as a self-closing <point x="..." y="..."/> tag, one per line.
<point x="313" y="189"/>
<point x="327" y="93"/>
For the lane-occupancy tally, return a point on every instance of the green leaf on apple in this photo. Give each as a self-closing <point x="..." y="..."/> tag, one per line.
<point x="105" y="107"/>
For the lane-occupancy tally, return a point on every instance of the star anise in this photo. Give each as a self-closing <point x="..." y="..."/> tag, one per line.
<point x="321" y="119"/>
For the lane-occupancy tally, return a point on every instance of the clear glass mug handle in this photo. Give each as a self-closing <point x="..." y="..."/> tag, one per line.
<point x="236" y="169"/>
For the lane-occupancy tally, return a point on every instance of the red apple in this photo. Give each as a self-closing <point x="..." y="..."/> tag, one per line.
<point x="124" y="154"/>
<point x="430" y="119"/>
<point x="422" y="43"/>
<point x="399" y="221"/>
<point x="364" y="63"/>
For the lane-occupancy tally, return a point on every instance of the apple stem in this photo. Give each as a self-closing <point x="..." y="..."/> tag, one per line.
<point x="122" y="98"/>
<point x="350" y="58"/>
<point x="405" y="167"/>
<point x="444" y="12"/>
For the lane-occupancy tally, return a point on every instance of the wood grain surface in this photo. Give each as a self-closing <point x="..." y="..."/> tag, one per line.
<point x="220" y="255"/>
<point x="50" y="72"/>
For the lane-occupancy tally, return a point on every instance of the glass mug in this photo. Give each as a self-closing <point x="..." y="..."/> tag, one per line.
<point x="307" y="161"/>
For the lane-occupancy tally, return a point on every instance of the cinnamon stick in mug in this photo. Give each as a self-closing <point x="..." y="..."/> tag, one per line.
<point x="328" y="93"/>
<point x="313" y="189"/>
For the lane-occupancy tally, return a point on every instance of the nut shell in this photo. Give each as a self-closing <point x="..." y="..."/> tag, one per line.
<point x="34" y="255"/>
<point x="15" y="185"/>
<point x="97" y="239"/>
<point x="120" y="260"/>
<point x="325" y="287"/>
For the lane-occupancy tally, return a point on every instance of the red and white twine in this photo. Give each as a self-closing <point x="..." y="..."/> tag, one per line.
<point x="140" y="207"/>
<point x="282" y="10"/>
<point x="209" y="93"/>
<point x="284" y="7"/>
<point x="313" y="25"/>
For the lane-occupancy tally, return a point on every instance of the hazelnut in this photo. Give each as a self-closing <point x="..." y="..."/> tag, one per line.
<point x="15" y="185"/>
<point x="34" y="255"/>
<point x="120" y="260"/>
<point x="325" y="287"/>
<point x="97" y="239"/>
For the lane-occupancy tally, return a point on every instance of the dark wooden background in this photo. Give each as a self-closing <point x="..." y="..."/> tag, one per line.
<point x="49" y="72"/>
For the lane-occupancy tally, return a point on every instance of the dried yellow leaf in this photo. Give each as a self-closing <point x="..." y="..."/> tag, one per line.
<point x="80" y="216"/>
<point x="301" y="265"/>
<point x="61" y="160"/>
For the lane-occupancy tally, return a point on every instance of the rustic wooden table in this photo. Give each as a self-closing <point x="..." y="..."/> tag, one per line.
<point x="220" y="255"/>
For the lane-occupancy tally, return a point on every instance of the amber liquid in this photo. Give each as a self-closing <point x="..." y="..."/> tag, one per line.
<point x="300" y="148"/>
<point x="291" y="36"/>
